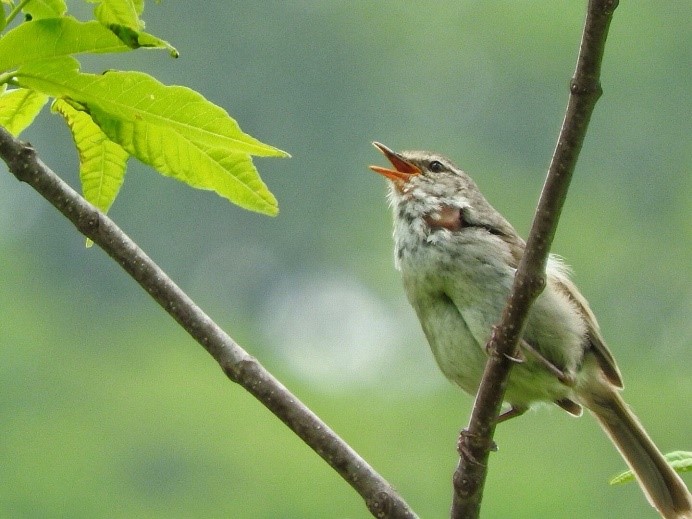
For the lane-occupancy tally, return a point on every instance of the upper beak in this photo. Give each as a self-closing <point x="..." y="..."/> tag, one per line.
<point x="403" y="169"/>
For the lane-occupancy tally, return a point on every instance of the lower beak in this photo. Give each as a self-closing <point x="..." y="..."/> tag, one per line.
<point x="403" y="169"/>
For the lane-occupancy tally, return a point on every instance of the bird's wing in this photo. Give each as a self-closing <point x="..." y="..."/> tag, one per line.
<point x="593" y="334"/>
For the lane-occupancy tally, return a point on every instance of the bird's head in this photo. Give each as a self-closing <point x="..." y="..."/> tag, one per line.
<point x="429" y="187"/>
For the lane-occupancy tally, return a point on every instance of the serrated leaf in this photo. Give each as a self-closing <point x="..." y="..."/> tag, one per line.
<point x="681" y="461"/>
<point x="102" y="162"/>
<point x="174" y="129"/>
<point x="39" y="9"/>
<point x="229" y="173"/>
<point x="140" y="102"/>
<point x="55" y="38"/>
<point x="19" y="107"/>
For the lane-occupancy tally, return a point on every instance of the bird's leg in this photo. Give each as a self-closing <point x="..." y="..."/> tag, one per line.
<point x="563" y="377"/>
<point x="512" y="412"/>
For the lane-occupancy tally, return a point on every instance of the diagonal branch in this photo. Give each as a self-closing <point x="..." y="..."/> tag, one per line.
<point x="585" y="89"/>
<point x="239" y="366"/>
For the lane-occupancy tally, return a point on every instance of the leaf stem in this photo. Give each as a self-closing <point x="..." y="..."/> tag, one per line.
<point x="14" y="12"/>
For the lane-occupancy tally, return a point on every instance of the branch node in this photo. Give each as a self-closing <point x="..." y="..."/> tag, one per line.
<point x="244" y="372"/>
<point x="610" y="6"/>
<point x="234" y="371"/>
<point x="89" y="223"/>
<point x="26" y="159"/>
<point x="464" y="486"/>
<point x="536" y="282"/>
<point x="585" y="87"/>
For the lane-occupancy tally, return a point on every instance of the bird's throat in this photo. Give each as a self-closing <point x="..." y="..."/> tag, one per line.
<point x="446" y="217"/>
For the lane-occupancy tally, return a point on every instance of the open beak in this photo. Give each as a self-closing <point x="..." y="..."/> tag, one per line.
<point x="403" y="169"/>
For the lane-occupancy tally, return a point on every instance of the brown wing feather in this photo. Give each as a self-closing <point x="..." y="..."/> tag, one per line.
<point x="603" y="356"/>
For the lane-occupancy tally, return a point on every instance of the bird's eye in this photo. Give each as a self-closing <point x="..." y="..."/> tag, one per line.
<point x="436" y="166"/>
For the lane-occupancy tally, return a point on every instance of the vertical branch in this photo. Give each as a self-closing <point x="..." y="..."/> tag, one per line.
<point x="585" y="89"/>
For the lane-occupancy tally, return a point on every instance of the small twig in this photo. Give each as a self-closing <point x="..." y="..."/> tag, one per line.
<point x="239" y="366"/>
<point x="585" y="89"/>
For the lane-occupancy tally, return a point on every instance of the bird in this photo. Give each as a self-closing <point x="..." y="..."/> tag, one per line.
<point x="457" y="256"/>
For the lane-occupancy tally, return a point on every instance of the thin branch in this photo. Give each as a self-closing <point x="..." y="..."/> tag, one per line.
<point x="585" y="89"/>
<point x="239" y="366"/>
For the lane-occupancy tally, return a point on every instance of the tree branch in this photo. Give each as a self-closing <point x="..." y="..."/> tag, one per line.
<point x="239" y="366"/>
<point x="585" y="89"/>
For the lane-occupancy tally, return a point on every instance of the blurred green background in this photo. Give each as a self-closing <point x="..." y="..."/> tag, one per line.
<point x="109" y="410"/>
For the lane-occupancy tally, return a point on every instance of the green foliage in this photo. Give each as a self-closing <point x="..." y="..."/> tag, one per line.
<point x="37" y="9"/>
<point x="121" y="13"/>
<point x="681" y="461"/>
<point x="122" y="17"/>
<point x="18" y="107"/>
<point x="117" y="114"/>
<point x="171" y="128"/>
<point x="55" y="38"/>
<point x="102" y="162"/>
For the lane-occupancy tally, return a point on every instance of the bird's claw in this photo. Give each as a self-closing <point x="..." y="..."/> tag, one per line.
<point x="490" y="349"/>
<point x="463" y="448"/>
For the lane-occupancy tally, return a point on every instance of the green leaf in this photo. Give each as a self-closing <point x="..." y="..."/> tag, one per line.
<point x="172" y="128"/>
<point x="139" y="102"/>
<point x="122" y="17"/>
<point x="229" y="173"/>
<point x="19" y="107"/>
<point x="138" y="5"/>
<point x="39" y="9"/>
<point x="137" y="39"/>
<point x="102" y="162"/>
<point x="681" y="461"/>
<point x="55" y="38"/>
<point x="119" y="12"/>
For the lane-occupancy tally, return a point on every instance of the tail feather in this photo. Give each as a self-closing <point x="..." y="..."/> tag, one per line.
<point x="662" y="486"/>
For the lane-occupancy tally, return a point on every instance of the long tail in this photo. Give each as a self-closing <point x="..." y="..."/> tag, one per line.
<point x="663" y="487"/>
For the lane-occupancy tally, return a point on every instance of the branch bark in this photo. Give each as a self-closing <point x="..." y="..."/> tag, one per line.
<point x="237" y="364"/>
<point x="476" y="441"/>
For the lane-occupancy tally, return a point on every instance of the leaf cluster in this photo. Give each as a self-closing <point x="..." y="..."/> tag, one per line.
<point x="119" y="114"/>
